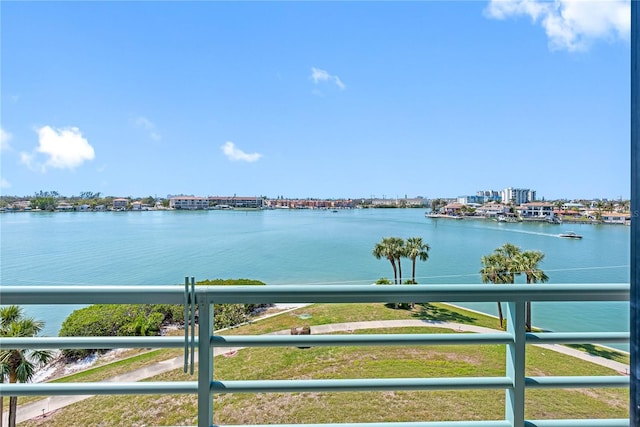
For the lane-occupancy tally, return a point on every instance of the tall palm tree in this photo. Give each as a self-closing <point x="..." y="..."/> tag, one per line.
<point x="494" y="271"/>
<point x="400" y="252"/>
<point x="511" y="253"/>
<point x="391" y="249"/>
<point x="599" y="207"/>
<point x="19" y="365"/>
<point x="416" y="249"/>
<point x="528" y="264"/>
<point x="501" y="267"/>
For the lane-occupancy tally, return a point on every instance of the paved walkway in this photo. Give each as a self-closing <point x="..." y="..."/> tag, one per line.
<point x="53" y="403"/>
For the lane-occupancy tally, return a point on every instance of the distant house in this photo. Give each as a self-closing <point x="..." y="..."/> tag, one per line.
<point x="99" y="208"/>
<point x="83" y="208"/>
<point x="120" y="204"/>
<point x="568" y="213"/>
<point x="616" y="217"/>
<point x="188" y="202"/>
<point x="536" y="210"/>
<point x="492" y="210"/>
<point x="136" y="206"/>
<point x="453" y="209"/>
<point x="64" y="207"/>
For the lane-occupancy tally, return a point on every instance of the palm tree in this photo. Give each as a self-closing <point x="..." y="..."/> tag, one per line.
<point x="501" y="267"/>
<point x="599" y="206"/>
<point x="400" y="252"/>
<point x="19" y="365"/>
<point x="494" y="271"/>
<point x="510" y="252"/>
<point x="391" y="249"/>
<point x="415" y="249"/>
<point x="528" y="264"/>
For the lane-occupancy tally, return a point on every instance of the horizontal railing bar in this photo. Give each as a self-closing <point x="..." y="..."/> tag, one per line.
<point x="578" y="337"/>
<point x="377" y="384"/>
<point x="488" y="423"/>
<point x="173" y="294"/>
<point x="359" y="340"/>
<point x="311" y="340"/>
<point x="608" y="422"/>
<point x="108" y="388"/>
<point x="94" y="294"/>
<point x="48" y="343"/>
<point x="43" y="343"/>
<point x="577" y="381"/>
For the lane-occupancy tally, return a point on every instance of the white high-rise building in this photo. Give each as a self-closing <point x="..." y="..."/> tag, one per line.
<point x="517" y="196"/>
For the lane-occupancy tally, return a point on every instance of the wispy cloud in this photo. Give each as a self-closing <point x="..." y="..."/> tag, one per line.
<point x="319" y="76"/>
<point x="61" y="148"/>
<point x="4" y="183"/>
<point x="233" y="153"/>
<point x="148" y="126"/>
<point x="5" y="137"/>
<point x="571" y="25"/>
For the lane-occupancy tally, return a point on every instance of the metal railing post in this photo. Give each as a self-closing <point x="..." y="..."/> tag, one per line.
<point x="516" y="352"/>
<point x="205" y="361"/>
<point x="634" y="327"/>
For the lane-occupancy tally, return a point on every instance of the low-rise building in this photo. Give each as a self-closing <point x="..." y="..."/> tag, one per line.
<point x="536" y="210"/>
<point x="492" y="210"/>
<point x="120" y="204"/>
<point x="64" y="207"/>
<point x="188" y="202"/>
<point x="237" y="202"/>
<point x="616" y="217"/>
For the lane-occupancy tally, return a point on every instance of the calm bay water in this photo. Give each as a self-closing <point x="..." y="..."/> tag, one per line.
<point x="299" y="247"/>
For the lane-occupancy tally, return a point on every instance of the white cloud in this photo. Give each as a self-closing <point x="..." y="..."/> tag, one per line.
<point x="4" y="183"/>
<point x="5" y="137"/>
<point x="62" y="148"/>
<point x="571" y="25"/>
<point x="149" y="126"/>
<point x="318" y="76"/>
<point x="229" y="149"/>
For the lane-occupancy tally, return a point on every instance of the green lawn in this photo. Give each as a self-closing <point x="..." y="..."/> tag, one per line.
<point x="351" y="362"/>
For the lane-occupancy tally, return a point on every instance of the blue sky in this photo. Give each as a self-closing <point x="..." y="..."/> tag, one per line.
<point x="316" y="99"/>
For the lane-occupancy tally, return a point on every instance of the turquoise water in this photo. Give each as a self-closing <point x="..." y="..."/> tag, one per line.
<point x="299" y="247"/>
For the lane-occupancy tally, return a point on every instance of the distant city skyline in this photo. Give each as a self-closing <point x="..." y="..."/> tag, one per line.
<point x="497" y="196"/>
<point x="316" y="99"/>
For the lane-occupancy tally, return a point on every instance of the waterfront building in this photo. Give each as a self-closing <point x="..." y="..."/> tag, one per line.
<point x="188" y="202"/>
<point x="64" y="207"/>
<point x="252" y="202"/>
<point x="616" y="217"/>
<point x="536" y="210"/>
<point x="453" y="209"/>
<point x="492" y="210"/>
<point x="120" y="204"/>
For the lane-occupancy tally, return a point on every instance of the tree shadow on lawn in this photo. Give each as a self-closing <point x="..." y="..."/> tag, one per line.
<point x="433" y="313"/>
<point x="599" y="351"/>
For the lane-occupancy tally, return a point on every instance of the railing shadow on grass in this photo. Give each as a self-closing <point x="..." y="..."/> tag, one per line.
<point x="431" y="312"/>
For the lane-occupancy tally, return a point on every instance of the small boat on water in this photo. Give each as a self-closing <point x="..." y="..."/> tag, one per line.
<point x="570" y="235"/>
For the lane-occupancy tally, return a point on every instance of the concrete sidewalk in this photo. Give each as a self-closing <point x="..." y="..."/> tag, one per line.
<point x="51" y="404"/>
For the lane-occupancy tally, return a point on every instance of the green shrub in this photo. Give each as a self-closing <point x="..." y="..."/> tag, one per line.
<point x="147" y="319"/>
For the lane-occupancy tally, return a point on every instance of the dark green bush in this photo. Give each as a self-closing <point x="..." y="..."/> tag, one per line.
<point x="147" y="319"/>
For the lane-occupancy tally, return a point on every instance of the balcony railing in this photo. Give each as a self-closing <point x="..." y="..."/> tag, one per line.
<point x="514" y="382"/>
